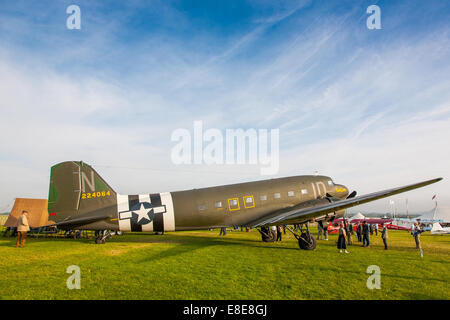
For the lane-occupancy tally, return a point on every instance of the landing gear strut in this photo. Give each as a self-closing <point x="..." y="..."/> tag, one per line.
<point x="100" y="236"/>
<point x="306" y="240"/>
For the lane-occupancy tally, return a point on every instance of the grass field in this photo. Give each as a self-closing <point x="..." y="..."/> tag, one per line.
<point x="202" y="265"/>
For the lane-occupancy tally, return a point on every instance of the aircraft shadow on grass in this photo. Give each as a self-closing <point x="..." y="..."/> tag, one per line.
<point x="364" y="275"/>
<point x="191" y="243"/>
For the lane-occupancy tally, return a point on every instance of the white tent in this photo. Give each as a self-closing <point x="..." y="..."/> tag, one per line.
<point x="438" y="213"/>
<point x="359" y="215"/>
<point x="437" y="229"/>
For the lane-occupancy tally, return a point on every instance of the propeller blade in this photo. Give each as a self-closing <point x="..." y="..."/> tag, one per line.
<point x="352" y="195"/>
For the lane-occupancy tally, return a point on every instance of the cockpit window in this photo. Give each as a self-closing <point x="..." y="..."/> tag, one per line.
<point x="330" y="183"/>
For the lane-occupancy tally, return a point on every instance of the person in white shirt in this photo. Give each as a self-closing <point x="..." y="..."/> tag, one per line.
<point x="22" y="229"/>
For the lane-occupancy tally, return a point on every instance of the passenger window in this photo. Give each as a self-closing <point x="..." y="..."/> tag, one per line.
<point x="218" y="205"/>
<point x="291" y="193"/>
<point x="201" y="207"/>
<point x="233" y="204"/>
<point x="277" y="195"/>
<point x="304" y="191"/>
<point x="263" y="198"/>
<point x="249" y="202"/>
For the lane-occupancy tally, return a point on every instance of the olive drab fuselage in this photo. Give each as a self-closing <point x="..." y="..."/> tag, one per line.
<point x="78" y="193"/>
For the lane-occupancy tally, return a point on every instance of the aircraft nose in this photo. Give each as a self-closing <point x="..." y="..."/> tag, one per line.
<point x="341" y="191"/>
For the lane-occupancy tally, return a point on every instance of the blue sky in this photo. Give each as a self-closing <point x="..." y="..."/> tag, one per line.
<point x="368" y="107"/>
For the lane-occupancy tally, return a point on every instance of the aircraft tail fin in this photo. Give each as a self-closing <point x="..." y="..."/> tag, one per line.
<point x="77" y="190"/>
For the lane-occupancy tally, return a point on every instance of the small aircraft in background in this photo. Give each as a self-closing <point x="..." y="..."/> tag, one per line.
<point x="361" y="218"/>
<point x="426" y="220"/>
<point x="79" y="199"/>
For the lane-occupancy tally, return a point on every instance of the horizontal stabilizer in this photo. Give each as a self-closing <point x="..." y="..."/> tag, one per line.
<point x="78" y="221"/>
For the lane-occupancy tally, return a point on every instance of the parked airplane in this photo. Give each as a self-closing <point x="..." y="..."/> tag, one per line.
<point x="334" y="226"/>
<point x="426" y="221"/>
<point x="360" y="218"/>
<point x="80" y="199"/>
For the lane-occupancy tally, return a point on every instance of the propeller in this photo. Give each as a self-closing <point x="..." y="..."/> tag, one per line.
<point x="352" y="195"/>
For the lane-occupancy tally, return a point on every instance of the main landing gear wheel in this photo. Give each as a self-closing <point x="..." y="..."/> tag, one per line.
<point x="267" y="235"/>
<point x="307" y="241"/>
<point x="100" y="236"/>
<point x="100" y="240"/>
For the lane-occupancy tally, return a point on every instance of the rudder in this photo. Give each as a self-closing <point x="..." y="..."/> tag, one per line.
<point x="77" y="190"/>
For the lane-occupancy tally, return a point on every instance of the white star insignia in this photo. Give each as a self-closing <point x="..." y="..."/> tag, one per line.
<point x="142" y="213"/>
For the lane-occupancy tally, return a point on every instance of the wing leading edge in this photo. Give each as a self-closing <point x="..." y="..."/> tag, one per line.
<point x="300" y="212"/>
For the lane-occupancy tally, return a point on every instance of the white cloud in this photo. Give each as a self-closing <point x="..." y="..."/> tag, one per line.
<point x="371" y="118"/>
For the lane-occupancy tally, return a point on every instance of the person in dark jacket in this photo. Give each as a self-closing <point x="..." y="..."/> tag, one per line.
<point x="366" y="234"/>
<point x="342" y="242"/>
<point x="279" y="233"/>
<point x="359" y="231"/>
<point x="223" y="231"/>
<point x="384" y="235"/>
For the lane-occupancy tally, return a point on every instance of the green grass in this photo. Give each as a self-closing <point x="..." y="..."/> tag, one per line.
<point x="202" y="265"/>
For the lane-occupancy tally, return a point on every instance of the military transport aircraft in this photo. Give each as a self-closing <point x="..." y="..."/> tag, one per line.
<point x="79" y="199"/>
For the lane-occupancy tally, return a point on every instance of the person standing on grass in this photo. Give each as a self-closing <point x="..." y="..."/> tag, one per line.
<point x="342" y="242"/>
<point x="319" y="230"/>
<point x="22" y="229"/>
<point x="223" y="231"/>
<point x="375" y="227"/>
<point x="349" y="233"/>
<point x="325" y="229"/>
<point x="279" y="233"/>
<point x="384" y="235"/>
<point x="416" y="234"/>
<point x="366" y="234"/>
<point x="359" y="231"/>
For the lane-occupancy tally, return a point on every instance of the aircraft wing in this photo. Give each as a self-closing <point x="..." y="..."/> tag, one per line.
<point x="299" y="213"/>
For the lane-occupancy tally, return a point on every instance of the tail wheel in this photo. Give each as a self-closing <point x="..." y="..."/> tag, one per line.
<point x="307" y="241"/>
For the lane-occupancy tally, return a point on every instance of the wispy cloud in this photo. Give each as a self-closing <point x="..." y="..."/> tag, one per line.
<point x="369" y="108"/>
